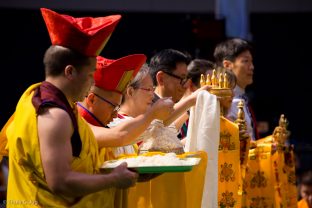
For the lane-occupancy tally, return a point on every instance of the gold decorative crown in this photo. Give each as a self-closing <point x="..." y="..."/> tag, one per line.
<point x="219" y="83"/>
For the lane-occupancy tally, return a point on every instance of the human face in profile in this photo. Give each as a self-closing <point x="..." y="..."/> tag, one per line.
<point x="175" y="82"/>
<point x="143" y="94"/>
<point x="243" y="69"/>
<point x="83" y="79"/>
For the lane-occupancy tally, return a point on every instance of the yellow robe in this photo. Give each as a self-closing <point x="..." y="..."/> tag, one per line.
<point x="303" y="204"/>
<point x="3" y="139"/>
<point x="27" y="186"/>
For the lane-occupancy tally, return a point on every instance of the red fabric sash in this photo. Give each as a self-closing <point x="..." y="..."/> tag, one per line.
<point x="47" y="96"/>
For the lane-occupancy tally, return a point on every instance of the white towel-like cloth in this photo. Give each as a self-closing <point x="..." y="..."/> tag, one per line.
<point x="203" y="134"/>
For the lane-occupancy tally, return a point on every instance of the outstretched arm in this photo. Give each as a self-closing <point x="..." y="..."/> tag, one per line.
<point x="127" y="132"/>
<point x="183" y="105"/>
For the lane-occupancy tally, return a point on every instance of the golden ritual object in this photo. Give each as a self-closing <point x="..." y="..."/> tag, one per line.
<point x="280" y="133"/>
<point x="219" y="84"/>
<point x="243" y="134"/>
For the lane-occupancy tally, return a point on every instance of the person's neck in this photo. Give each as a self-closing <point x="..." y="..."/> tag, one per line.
<point x="59" y="83"/>
<point x="158" y="92"/>
<point x="129" y="110"/>
<point x="243" y="87"/>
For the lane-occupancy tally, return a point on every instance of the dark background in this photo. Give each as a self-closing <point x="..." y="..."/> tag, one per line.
<point x="282" y="43"/>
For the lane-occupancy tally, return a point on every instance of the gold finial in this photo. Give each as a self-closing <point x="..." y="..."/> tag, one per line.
<point x="208" y="80"/>
<point x="226" y="81"/>
<point x="280" y="133"/>
<point x="214" y="80"/>
<point x="202" y="80"/>
<point x="221" y="80"/>
<point x="283" y="122"/>
<point x="240" y="113"/>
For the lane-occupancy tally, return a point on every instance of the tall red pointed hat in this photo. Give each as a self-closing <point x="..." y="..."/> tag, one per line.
<point x="86" y="35"/>
<point x="114" y="75"/>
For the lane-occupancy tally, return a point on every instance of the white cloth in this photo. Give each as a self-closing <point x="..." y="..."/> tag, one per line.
<point x="203" y="134"/>
<point x="128" y="149"/>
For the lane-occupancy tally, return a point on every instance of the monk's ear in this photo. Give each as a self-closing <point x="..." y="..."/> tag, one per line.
<point x="70" y="71"/>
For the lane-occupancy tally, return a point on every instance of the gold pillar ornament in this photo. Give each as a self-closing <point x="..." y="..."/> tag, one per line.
<point x="208" y="79"/>
<point x="244" y="149"/>
<point x="280" y="133"/>
<point x="214" y="79"/>
<point x="202" y="81"/>
<point x="243" y="134"/>
<point x="226" y="83"/>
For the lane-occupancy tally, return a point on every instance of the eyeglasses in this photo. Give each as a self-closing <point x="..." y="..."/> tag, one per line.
<point x="116" y="107"/>
<point x="147" y="89"/>
<point x="182" y="80"/>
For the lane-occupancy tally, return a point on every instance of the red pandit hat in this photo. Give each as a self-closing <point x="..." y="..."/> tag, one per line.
<point x="86" y="35"/>
<point x="114" y="75"/>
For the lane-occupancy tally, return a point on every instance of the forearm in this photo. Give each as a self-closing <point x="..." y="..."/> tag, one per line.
<point x="179" y="108"/>
<point x="180" y="121"/>
<point x="76" y="184"/>
<point x="125" y="133"/>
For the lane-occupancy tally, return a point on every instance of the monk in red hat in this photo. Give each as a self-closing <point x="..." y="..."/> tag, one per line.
<point x="53" y="153"/>
<point x="103" y="101"/>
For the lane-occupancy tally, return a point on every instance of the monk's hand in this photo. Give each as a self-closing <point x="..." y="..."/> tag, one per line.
<point x="124" y="178"/>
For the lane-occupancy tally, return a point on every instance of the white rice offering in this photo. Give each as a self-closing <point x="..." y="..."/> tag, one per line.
<point x="169" y="159"/>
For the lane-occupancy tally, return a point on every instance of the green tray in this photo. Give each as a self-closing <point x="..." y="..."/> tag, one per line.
<point x="154" y="169"/>
<point x="163" y="169"/>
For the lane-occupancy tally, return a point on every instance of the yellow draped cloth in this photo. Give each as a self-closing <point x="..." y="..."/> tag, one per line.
<point x="171" y="190"/>
<point x="259" y="180"/>
<point x="27" y="186"/>
<point x="229" y="177"/>
<point x="290" y="169"/>
<point x="121" y="195"/>
<point x="270" y="177"/>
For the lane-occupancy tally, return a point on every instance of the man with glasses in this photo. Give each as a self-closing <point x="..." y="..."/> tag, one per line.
<point x="169" y="73"/>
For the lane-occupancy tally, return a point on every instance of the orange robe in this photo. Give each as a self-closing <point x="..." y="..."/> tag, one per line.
<point x="303" y="204"/>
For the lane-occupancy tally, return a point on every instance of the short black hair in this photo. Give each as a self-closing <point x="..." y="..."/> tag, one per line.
<point x="56" y="58"/>
<point x="197" y="67"/>
<point x="167" y="60"/>
<point x="230" y="49"/>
